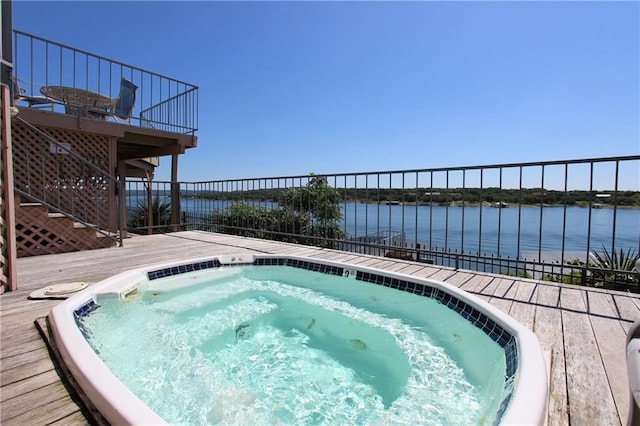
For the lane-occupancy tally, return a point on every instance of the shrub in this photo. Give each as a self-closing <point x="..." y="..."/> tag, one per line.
<point x="161" y="216"/>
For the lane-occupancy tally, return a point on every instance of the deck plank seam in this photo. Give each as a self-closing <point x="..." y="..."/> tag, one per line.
<point x="565" y="372"/>
<point x="481" y="291"/>
<point x="615" y="304"/>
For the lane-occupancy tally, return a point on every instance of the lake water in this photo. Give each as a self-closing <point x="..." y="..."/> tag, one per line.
<point x="496" y="231"/>
<point x="525" y="231"/>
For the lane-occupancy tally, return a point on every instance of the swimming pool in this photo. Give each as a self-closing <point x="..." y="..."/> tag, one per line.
<point x="384" y="355"/>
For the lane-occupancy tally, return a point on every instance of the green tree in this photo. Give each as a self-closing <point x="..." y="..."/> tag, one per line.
<point x="306" y="215"/>
<point x="320" y="203"/>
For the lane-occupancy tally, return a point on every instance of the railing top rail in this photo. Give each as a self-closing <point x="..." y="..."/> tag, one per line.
<point x="426" y="170"/>
<point x="181" y="94"/>
<point x="84" y="52"/>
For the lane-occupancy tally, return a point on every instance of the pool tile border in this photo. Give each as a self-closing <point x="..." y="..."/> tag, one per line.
<point x="86" y="309"/>
<point x="183" y="269"/>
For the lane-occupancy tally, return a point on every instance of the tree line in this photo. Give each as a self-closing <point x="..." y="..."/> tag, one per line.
<point x="444" y="196"/>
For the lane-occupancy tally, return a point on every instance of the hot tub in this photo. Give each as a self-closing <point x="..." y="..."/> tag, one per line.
<point x="293" y="340"/>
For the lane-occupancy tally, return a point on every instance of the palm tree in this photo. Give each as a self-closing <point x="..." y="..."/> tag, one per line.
<point x="614" y="270"/>
<point x="161" y="216"/>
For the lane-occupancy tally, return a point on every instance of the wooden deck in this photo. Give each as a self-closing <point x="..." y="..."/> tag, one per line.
<point x="582" y="329"/>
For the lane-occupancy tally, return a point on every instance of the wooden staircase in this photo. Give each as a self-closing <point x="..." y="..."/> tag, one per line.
<point x="40" y="232"/>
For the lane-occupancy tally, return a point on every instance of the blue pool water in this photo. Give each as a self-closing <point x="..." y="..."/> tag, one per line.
<point x="273" y="344"/>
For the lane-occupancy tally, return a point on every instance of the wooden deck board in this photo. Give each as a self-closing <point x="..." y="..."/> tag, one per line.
<point x="602" y="304"/>
<point x="522" y="292"/>
<point x="22" y="387"/>
<point x="37" y="353"/>
<point x="573" y="299"/>
<point x="459" y="278"/>
<point x="489" y="288"/>
<point x="476" y="283"/>
<point x="588" y="392"/>
<point x="548" y="328"/>
<point x="74" y="419"/>
<point x="503" y="285"/>
<point x="410" y="268"/>
<point x="583" y="329"/>
<point x="56" y="410"/>
<point x="524" y="313"/>
<point x="15" y="408"/>
<point x="547" y="295"/>
<point x="31" y="367"/>
<point x="442" y="274"/>
<point x="502" y="304"/>
<point x="627" y="308"/>
<point x="611" y="337"/>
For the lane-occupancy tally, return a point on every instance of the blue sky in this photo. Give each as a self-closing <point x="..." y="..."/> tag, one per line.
<point x="289" y="88"/>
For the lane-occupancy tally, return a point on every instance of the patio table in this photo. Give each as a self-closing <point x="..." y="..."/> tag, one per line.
<point x="80" y="101"/>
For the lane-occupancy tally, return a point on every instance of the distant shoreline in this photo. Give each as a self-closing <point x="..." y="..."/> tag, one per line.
<point x="450" y="204"/>
<point x="489" y="205"/>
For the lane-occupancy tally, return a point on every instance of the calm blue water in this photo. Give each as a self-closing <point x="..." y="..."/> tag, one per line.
<point x="540" y="229"/>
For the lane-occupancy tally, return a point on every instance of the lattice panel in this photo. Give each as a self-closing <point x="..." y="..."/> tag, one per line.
<point x="4" y="254"/>
<point x="38" y="233"/>
<point x="62" y="180"/>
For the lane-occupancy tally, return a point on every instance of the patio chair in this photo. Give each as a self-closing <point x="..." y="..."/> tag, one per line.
<point x="122" y="106"/>
<point x="125" y="101"/>
<point x="19" y="95"/>
<point x="633" y="373"/>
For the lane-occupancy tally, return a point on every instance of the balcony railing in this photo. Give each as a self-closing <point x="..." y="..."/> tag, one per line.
<point x="558" y="220"/>
<point x="161" y="102"/>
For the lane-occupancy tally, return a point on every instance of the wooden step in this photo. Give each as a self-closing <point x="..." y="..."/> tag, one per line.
<point x="39" y="231"/>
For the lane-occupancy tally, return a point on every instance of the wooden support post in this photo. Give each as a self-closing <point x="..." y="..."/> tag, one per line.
<point x="149" y="187"/>
<point x="113" y="199"/>
<point x="9" y="206"/>
<point x="175" y="194"/>
<point x="122" y="178"/>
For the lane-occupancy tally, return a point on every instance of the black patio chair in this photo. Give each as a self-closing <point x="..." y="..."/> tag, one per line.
<point x="122" y="105"/>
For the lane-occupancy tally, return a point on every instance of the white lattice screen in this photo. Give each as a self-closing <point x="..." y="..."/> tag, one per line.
<point x="61" y="180"/>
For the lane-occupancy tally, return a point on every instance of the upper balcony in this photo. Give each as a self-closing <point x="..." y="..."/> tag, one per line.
<point x="56" y="78"/>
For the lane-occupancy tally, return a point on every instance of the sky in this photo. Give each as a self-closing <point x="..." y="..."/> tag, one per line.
<point x="290" y="88"/>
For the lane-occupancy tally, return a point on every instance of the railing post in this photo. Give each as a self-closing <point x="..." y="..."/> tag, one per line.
<point x="6" y="159"/>
<point x="175" y="194"/>
<point x="120" y="208"/>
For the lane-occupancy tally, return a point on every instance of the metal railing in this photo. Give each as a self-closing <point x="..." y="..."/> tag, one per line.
<point x="564" y="221"/>
<point x="176" y="114"/>
<point x="68" y="184"/>
<point x="161" y="102"/>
